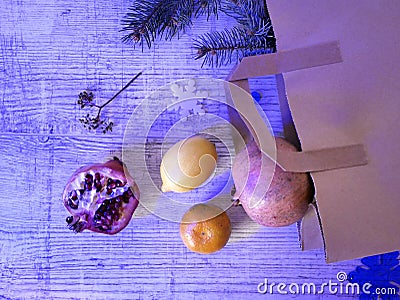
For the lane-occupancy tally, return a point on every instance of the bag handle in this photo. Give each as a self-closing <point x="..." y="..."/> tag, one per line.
<point x="251" y="123"/>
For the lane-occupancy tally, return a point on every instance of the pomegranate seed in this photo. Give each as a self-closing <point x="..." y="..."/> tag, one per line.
<point x="118" y="202"/>
<point x="72" y="204"/>
<point x="88" y="186"/>
<point x="104" y="228"/>
<point x="126" y="197"/>
<point x="115" y="216"/>
<point x="74" y="195"/>
<point x="97" y="185"/>
<point x="102" y="208"/>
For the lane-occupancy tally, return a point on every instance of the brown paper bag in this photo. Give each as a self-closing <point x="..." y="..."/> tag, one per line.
<point x="340" y="63"/>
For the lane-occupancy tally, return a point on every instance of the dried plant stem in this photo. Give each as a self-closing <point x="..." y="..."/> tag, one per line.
<point x="86" y="100"/>
<point x="100" y="107"/>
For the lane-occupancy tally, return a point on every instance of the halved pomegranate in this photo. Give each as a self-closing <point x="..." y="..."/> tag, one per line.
<point x="101" y="198"/>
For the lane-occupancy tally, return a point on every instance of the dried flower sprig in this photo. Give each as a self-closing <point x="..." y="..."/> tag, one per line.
<point x="86" y="100"/>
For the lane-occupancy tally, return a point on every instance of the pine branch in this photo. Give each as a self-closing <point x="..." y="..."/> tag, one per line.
<point x="251" y="14"/>
<point x="149" y="20"/>
<point x="252" y="36"/>
<point x="218" y="48"/>
<point x="178" y="19"/>
<point x="207" y="7"/>
<point x="245" y="10"/>
<point x="142" y="21"/>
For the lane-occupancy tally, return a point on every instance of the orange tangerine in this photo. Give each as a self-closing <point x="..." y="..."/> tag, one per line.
<point x="205" y="228"/>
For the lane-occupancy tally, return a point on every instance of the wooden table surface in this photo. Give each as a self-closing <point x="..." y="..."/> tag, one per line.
<point x="50" y="51"/>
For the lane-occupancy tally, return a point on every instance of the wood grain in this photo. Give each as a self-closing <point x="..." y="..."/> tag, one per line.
<point x="50" y="51"/>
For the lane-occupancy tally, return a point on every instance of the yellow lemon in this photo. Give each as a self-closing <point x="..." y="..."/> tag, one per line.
<point x="188" y="164"/>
